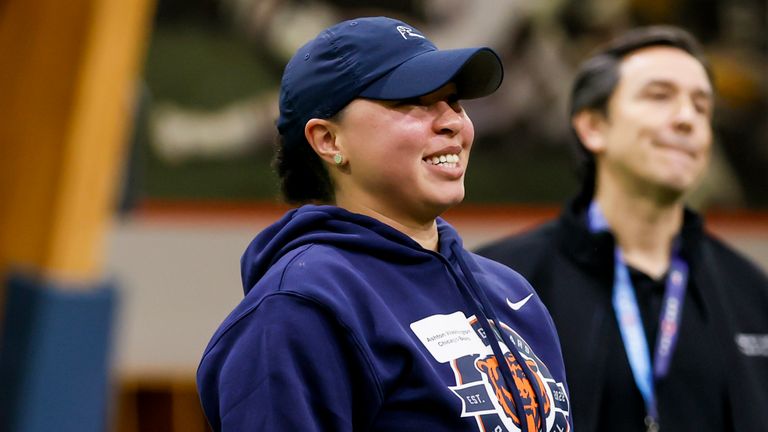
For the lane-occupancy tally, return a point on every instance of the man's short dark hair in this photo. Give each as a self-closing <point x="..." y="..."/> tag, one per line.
<point x="597" y="78"/>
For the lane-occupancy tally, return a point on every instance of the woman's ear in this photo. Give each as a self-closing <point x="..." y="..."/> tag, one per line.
<point x="321" y="135"/>
<point x="589" y="126"/>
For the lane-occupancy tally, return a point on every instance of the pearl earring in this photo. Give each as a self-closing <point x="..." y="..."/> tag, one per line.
<point x="338" y="159"/>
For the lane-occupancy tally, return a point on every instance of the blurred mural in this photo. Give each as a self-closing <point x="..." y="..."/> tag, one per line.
<point x="206" y="124"/>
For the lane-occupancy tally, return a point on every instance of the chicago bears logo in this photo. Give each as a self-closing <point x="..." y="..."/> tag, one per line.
<point x="490" y="366"/>
<point x="462" y="343"/>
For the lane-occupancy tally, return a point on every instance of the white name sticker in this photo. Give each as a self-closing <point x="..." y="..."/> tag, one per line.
<point x="448" y="337"/>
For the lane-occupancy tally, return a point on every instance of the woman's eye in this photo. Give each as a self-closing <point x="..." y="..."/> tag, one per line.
<point x="411" y="101"/>
<point x="453" y="101"/>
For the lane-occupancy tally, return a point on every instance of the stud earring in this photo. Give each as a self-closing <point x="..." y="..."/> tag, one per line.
<point x="338" y="159"/>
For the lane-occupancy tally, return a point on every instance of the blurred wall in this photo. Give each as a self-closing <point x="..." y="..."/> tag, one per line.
<point x="67" y="77"/>
<point x="180" y="268"/>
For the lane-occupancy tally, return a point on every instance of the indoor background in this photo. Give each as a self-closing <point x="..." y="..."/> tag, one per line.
<point x="193" y="184"/>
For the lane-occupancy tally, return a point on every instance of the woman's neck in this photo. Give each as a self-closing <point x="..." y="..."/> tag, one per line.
<point x="423" y="233"/>
<point x="644" y="228"/>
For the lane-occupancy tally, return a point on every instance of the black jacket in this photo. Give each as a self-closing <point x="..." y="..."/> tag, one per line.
<point x="572" y="270"/>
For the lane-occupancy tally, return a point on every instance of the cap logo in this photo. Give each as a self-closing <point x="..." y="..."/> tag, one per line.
<point x="407" y="32"/>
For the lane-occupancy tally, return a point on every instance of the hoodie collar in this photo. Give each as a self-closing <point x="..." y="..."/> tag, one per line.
<point x="325" y="224"/>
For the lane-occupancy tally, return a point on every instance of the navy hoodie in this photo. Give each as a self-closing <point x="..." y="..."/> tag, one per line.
<point x="348" y="324"/>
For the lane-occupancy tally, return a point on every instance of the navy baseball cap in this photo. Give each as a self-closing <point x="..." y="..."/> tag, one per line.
<point x="375" y="58"/>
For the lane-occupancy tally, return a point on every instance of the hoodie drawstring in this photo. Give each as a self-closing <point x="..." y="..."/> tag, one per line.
<point x="476" y="299"/>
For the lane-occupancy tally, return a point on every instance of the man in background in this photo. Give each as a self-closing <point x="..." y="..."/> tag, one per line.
<point x="661" y="325"/>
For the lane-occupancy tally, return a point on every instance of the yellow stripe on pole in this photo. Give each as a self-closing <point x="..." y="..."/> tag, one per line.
<point x="68" y="73"/>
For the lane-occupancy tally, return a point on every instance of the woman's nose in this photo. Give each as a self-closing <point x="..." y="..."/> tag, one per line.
<point x="449" y="119"/>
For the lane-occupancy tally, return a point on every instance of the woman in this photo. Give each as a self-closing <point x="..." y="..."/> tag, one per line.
<point x="366" y="313"/>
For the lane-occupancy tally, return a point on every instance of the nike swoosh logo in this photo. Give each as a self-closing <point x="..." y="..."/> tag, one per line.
<point x="521" y="303"/>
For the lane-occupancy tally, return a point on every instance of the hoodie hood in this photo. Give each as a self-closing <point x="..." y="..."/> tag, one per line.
<point x="313" y="224"/>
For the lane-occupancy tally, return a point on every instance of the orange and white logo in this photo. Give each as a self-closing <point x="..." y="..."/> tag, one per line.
<point x="462" y="343"/>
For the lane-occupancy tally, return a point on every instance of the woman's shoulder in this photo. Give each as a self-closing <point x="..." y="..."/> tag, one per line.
<point x="330" y="275"/>
<point x="320" y="259"/>
<point x="312" y="276"/>
<point x="494" y="271"/>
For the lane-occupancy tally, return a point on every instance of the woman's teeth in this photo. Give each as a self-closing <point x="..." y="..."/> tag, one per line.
<point x="449" y="160"/>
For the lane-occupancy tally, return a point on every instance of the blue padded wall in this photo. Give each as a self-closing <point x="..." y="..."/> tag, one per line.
<point x="54" y="356"/>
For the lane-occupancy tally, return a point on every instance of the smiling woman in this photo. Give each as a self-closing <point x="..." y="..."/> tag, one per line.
<point x="400" y="154"/>
<point x="347" y="296"/>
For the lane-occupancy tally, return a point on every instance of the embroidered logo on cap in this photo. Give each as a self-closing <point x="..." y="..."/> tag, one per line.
<point x="407" y="32"/>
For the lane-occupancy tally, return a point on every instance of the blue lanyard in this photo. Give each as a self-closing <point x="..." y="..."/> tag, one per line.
<point x="631" y="325"/>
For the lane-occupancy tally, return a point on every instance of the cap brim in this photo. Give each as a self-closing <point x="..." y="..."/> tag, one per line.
<point x="477" y="72"/>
